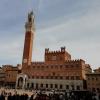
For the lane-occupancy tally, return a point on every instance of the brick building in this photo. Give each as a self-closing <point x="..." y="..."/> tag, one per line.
<point x="8" y="74"/>
<point x="93" y="80"/>
<point x="58" y="71"/>
<point x="2" y="77"/>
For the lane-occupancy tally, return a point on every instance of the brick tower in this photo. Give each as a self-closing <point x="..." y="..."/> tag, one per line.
<point x="28" y="43"/>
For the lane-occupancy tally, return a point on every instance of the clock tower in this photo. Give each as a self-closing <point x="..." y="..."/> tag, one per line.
<point x="28" y="43"/>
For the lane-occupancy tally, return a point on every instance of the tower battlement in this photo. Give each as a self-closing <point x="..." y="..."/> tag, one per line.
<point x="62" y="50"/>
<point x="57" y="56"/>
<point x="29" y="25"/>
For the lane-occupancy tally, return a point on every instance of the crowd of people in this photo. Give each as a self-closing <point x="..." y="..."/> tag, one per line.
<point x="78" y="95"/>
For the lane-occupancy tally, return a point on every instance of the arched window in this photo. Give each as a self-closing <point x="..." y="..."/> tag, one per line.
<point x="51" y="85"/>
<point x="46" y="85"/>
<point x="61" y="86"/>
<point x="36" y="85"/>
<point x="67" y="86"/>
<point x="56" y="86"/>
<point x="41" y="85"/>
<point x="32" y="85"/>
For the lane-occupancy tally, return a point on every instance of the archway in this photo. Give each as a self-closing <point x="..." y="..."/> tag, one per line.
<point x="20" y="82"/>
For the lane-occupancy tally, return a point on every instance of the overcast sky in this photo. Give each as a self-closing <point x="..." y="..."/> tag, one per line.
<point x="74" y="24"/>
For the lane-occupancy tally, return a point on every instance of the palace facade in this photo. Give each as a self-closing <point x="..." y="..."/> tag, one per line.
<point x="58" y="71"/>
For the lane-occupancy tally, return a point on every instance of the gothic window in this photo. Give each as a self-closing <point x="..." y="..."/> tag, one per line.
<point x="61" y="77"/>
<point x="66" y="66"/>
<point x="42" y="67"/>
<point x="67" y="86"/>
<point x="46" y="85"/>
<point x="92" y="78"/>
<point x="61" y="86"/>
<point x="51" y="85"/>
<point x="47" y="77"/>
<point x="88" y="78"/>
<point x="46" y="66"/>
<point x="38" y="67"/>
<point x="72" y="87"/>
<point x="77" y="78"/>
<point x="37" y="77"/>
<point x="98" y="90"/>
<point x="78" y="87"/>
<point x="67" y="77"/>
<point x="56" y="86"/>
<point x="51" y="77"/>
<point x="33" y="66"/>
<point x="51" y="67"/>
<point x="42" y="77"/>
<point x="33" y="77"/>
<point x="36" y="85"/>
<point x="41" y="85"/>
<point x="56" y="77"/>
<point x="28" y="85"/>
<point x="72" y="66"/>
<point x="32" y="85"/>
<point x="96" y="78"/>
<point x="60" y="66"/>
<point x="53" y="73"/>
<point x="72" y="77"/>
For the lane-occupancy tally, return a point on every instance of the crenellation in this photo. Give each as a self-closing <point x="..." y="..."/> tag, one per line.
<point x="73" y="61"/>
<point x="37" y="63"/>
<point x="56" y="52"/>
<point x="46" y="50"/>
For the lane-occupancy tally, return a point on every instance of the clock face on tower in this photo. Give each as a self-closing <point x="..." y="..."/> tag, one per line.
<point x="24" y="60"/>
